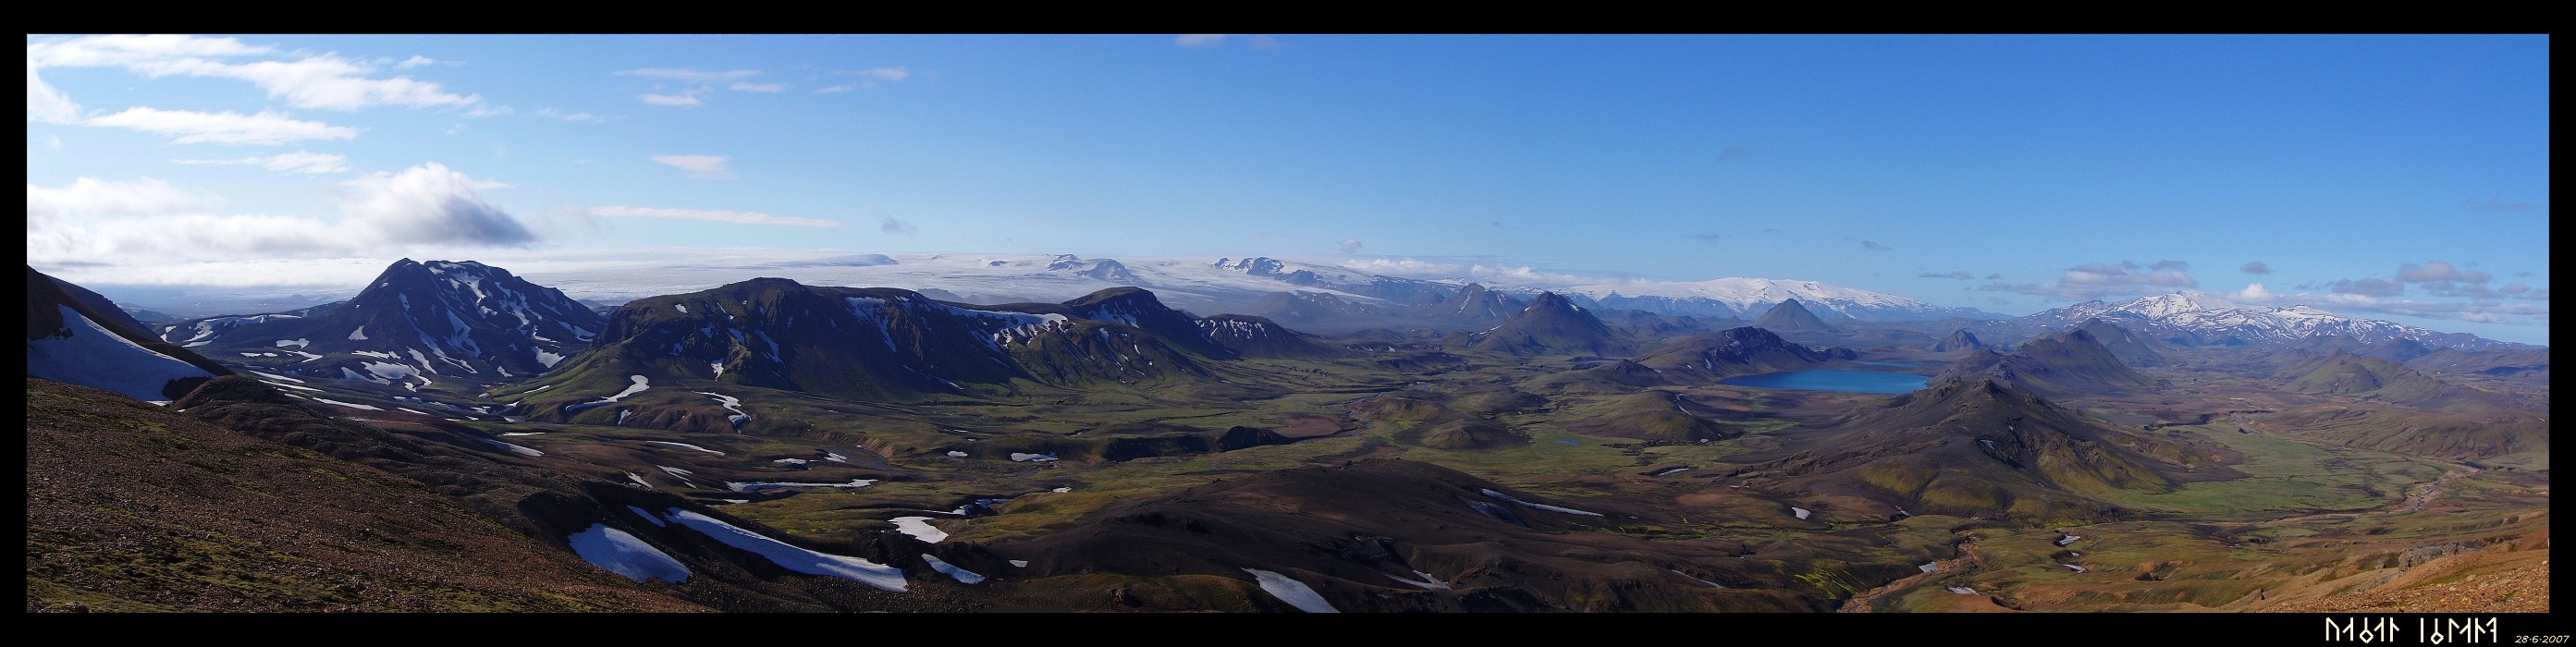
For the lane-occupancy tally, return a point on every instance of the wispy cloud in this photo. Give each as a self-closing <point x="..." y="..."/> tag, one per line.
<point x="893" y="226"/>
<point x="2256" y="267"/>
<point x="1255" y="41"/>
<point x="747" y="86"/>
<point x="2104" y="280"/>
<point x="1350" y="245"/>
<point x="416" y="61"/>
<point x="189" y="127"/>
<point x="691" y="75"/>
<point x="324" y="81"/>
<point x="46" y="104"/>
<point x="837" y="89"/>
<point x="684" y="99"/>
<point x="575" y="116"/>
<point x="702" y="167"/>
<point x="93" y="196"/>
<point x="1732" y="152"/>
<point x="2498" y="204"/>
<point x="1702" y="237"/>
<point x="1961" y="275"/>
<point x="735" y="217"/>
<point x="296" y="162"/>
<point x="1874" y="246"/>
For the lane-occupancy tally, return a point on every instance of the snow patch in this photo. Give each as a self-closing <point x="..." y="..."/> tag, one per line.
<point x="351" y="405"/>
<point x="919" y="528"/>
<point x="775" y="485"/>
<point x="963" y="576"/>
<point x="648" y="516"/>
<point x="625" y="554"/>
<point x="667" y="443"/>
<point x="92" y="356"/>
<point x="514" y="449"/>
<point x="1023" y="458"/>
<point x="1536" y="506"/>
<point x="358" y="335"/>
<point x="790" y="557"/>
<point x="1291" y="591"/>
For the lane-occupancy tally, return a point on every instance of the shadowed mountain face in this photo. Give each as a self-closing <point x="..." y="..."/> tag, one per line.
<point x="416" y="325"/>
<point x="1737" y="351"/>
<point x="1981" y="447"/>
<point x="1396" y="535"/>
<point x="1791" y="316"/>
<point x="2130" y="348"/>
<point x="1959" y="339"/>
<point x="873" y="344"/>
<point x="1249" y="336"/>
<point x="1551" y="325"/>
<point x="75" y="339"/>
<point x="2066" y="364"/>
<point x="1472" y="303"/>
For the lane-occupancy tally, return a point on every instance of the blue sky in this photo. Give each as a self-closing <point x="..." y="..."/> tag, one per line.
<point x="2397" y="177"/>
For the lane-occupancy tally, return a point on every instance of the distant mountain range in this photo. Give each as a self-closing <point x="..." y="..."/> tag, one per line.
<point x="2203" y="320"/>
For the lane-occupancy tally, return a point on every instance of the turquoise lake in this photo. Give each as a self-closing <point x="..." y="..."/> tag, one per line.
<point x="1841" y="381"/>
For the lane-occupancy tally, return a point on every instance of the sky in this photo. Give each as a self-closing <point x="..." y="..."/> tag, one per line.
<point x="2394" y="177"/>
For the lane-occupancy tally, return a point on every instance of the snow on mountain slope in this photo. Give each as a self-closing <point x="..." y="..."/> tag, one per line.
<point x="90" y="355"/>
<point x="2204" y="319"/>
<point x="416" y="320"/>
<point x="1204" y="283"/>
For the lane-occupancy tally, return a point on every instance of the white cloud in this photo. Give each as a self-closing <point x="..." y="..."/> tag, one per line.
<point x="837" y="89"/>
<point x="295" y="162"/>
<point x="416" y="60"/>
<point x="116" y="50"/>
<point x="1350" y="245"/>
<point x="893" y="226"/>
<point x="736" y="217"/>
<point x="429" y="204"/>
<point x="92" y="196"/>
<point x="155" y="224"/>
<point x="887" y="74"/>
<point x="1199" y="40"/>
<point x="703" y="167"/>
<point x="46" y="104"/>
<point x="681" y="99"/>
<point x="747" y="86"/>
<point x="2253" y="293"/>
<point x="54" y="142"/>
<point x="691" y="76"/>
<point x="190" y="127"/>
<point x="573" y="116"/>
<point x="325" y="81"/>
<point x="2105" y="280"/>
<point x="2432" y="271"/>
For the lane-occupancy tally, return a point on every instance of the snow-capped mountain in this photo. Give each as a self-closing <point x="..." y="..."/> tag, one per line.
<point x="456" y="320"/>
<point x="1747" y="298"/>
<point x="1230" y="284"/>
<point x="2201" y="319"/>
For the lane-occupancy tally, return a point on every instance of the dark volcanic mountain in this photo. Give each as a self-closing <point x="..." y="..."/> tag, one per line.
<point x="867" y="344"/>
<point x="1551" y="325"/>
<point x="1790" y="316"/>
<point x="1137" y="307"/>
<point x="1249" y="336"/>
<point x="1959" y="339"/>
<point x="2066" y="364"/>
<point x="74" y="336"/>
<point x="1737" y="351"/>
<point x="457" y="321"/>
<point x="1472" y="303"/>
<point x="2130" y="348"/>
<point x="1981" y="447"/>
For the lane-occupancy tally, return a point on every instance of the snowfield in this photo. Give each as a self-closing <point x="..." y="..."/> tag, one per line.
<point x="790" y="557"/>
<point x="94" y="357"/>
<point x="625" y="554"/>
